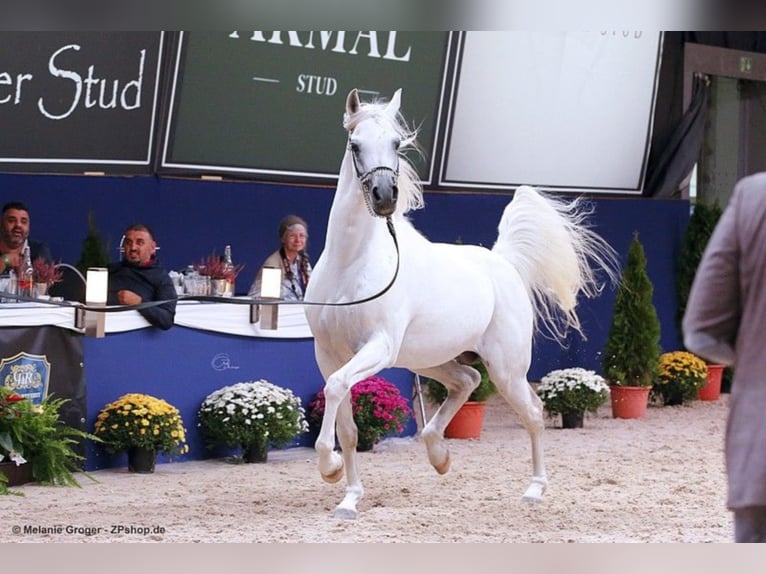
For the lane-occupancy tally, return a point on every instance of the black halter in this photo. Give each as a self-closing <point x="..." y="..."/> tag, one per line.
<point x="364" y="178"/>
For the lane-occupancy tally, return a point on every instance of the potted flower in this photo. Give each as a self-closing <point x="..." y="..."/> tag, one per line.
<point x="379" y="410"/>
<point x="631" y="353"/>
<point x="252" y="415"/>
<point x="571" y="393"/>
<point x="682" y="375"/>
<point x="468" y="421"/>
<point x="34" y="444"/>
<point x="222" y="274"/>
<point x="45" y="274"/>
<point x="143" y="426"/>
<point x="702" y="223"/>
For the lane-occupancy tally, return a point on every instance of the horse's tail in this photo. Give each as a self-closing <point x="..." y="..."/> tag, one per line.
<point x="547" y="241"/>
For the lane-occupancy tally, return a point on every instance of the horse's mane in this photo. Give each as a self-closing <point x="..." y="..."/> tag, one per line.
<point x="410" y="190"/>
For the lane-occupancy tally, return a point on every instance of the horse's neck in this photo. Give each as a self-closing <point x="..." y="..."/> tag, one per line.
<point x="351" y="228"/>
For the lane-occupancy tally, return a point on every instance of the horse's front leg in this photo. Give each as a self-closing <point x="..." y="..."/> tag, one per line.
<point x="347" y="437"/>
<point x="370" y="359"/>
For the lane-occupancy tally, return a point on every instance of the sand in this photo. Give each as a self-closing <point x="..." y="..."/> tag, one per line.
<point x="656" y="479"/>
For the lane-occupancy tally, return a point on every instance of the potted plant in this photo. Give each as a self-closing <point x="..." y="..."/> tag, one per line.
<point x="141" y="425"/>
<point x="35" y="445"/>
<point x="222" y="274"/>
<point x="379" y="410"/>
<point x="94" y="253"/>
<point x="44" y="274"/>
<point x="468" y="421"/>
<point x="702" y="222"/>
<point x="571" y="393"/>
<point x="682" y="375"/>
<point x="631" y="355"/>
<point x="252" y="415"/>
<point x="701" y="225"/>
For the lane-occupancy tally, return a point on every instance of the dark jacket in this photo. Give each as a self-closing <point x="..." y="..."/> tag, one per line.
<point x="151" y="283"/>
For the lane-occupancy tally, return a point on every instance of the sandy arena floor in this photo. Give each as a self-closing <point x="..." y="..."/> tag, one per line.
<point x="656" y="479"/>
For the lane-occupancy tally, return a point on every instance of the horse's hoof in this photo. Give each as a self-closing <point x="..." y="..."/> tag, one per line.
<point x="534" y="493"/>
<point x="443" y="468"/>
<point x="531" y="499"/>
<point x="334" y="477"/>
<point x="342" y="513"/>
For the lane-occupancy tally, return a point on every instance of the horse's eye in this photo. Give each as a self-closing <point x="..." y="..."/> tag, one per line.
<point x="354" y="147"/>
<point x="397" y="144"/>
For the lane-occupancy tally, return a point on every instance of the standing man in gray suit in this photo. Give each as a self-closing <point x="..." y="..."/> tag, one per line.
<point x="724" y="323"/>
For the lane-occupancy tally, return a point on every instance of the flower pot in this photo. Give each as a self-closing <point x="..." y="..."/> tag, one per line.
<point x="629" y="402"/>
<point x="467" y="421"/>
<point x="256" y="452"/>
<point x="673" y="399"/>
<point x="17" y="474"/>
<point x="220" y="288"/>
<point x="141" y="460"/>
<point x="40" y="290"/>
<point x="572" y="420"/>
<point x="712" y="389"/>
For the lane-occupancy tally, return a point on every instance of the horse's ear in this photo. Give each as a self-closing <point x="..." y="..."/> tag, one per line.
<point x="352" y="102"/>
<point x="393" y="106"/>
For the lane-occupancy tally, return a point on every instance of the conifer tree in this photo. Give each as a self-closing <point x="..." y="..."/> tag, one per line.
<point x="94" y="254"/>
<point x="701" y="225"/>
<point x="632" y="349"/>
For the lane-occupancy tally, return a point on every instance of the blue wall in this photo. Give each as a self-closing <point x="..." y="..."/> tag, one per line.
<point x="192" y="218"/>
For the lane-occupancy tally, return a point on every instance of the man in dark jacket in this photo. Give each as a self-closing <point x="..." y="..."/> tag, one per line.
<point x="14" y="234"/>
<point x="139" y="278"/>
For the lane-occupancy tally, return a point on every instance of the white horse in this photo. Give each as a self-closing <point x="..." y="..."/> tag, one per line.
<point x="447" y="304"/>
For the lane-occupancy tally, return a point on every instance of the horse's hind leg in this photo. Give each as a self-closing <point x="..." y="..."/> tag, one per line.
<point x="523" y="399"/>
<point x="509" y="375"/>
<point x="460" y="380"/>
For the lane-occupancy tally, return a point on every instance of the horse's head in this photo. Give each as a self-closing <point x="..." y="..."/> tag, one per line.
<point x="374" y="140"/>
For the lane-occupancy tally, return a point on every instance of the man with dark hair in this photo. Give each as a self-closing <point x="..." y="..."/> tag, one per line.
<point x="14" y="234"/>
<point x="138" y="278"/>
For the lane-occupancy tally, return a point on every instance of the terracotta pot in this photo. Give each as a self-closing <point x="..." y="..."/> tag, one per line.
<point x="712" y="389"/>
<point x="467" y="421"/>
<point x="629" y="402"/>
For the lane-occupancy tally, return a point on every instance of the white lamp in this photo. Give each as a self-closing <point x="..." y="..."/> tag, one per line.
<point x="96" y="289"/>
<point x="271" y="288"/>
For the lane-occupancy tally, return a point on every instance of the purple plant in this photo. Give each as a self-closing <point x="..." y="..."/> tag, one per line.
<point x="379" y="410"/>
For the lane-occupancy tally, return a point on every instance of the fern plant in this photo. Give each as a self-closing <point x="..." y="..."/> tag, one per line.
<point x="34" y="434"/>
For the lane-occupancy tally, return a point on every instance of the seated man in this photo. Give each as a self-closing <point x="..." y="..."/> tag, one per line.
<point x="139" y="278"/>
<point x="14" y="234"/>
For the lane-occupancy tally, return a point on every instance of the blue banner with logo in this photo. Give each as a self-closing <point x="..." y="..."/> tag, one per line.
<point x="45" y="361"/>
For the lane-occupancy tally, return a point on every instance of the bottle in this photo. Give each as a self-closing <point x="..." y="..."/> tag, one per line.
<point x="228" y="266"/>
<point x="26" y="272"/>
<point x="13" y="284"/>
